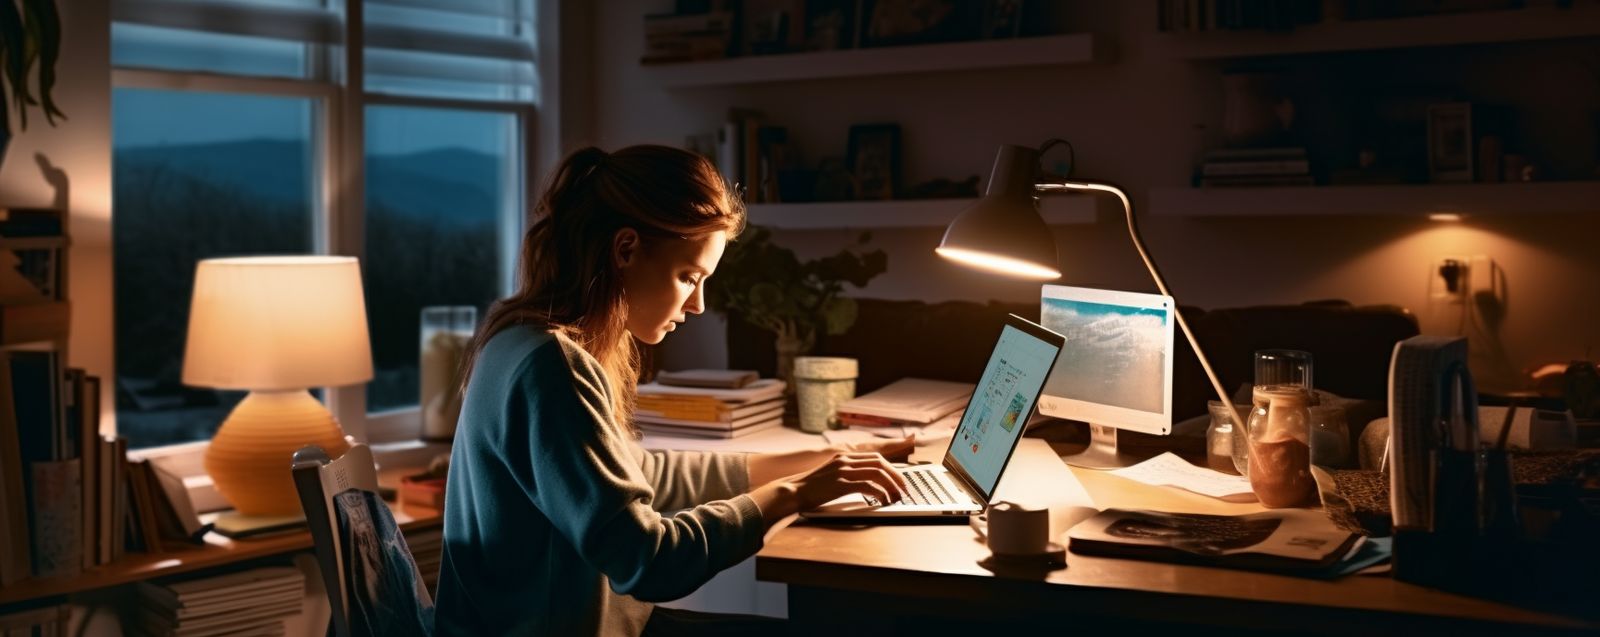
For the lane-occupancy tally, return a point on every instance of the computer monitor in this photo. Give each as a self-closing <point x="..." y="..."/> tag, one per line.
<point x="1116" y="369"/>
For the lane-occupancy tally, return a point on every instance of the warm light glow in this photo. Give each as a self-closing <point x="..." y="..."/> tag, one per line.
<point x="1445" y="216"/>
<point x="998" y="264"/>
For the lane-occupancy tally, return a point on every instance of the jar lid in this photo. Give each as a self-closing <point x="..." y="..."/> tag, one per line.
<point x="825" y="368"/>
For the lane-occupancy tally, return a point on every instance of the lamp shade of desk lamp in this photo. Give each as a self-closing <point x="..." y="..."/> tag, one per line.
<point x="276" y="326"/>
<point x="993" y="236"/>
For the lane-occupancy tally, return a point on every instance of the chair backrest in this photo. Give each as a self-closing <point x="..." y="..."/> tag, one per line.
<point x="347" y="488"/>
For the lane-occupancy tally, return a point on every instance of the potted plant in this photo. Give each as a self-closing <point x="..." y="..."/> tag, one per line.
<point x="767" y="285"/>
<point x="30" y="35"/>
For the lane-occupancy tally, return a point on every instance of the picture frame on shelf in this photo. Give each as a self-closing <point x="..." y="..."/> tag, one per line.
<point x="1001" y="19"/>
<point x="771" y="27"/>
<point x="904" y="22"/>
<point x="831" y="25"/>
<point x="1450" y="142"/>
<point x="874" y="160"/>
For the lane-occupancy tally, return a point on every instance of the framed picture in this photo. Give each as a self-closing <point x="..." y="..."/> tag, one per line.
<point x="831" y="24"/>
<point x="874" y="160"/>
<point x="1001" y="19"/>
<point x="1450" y="142"/>
<point x="898" y="22"/>
<point x="767" y="27"/>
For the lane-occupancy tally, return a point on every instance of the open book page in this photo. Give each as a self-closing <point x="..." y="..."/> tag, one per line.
<point x="1168" y="470"/>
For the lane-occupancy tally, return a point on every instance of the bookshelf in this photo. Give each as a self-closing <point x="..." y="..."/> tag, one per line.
<point x="1053" y="50"/>
<point x="1557" y="197"/>
<point x="1478" y="27"/>
<point x="217" y="551"/>
<point x="913" y="213"/>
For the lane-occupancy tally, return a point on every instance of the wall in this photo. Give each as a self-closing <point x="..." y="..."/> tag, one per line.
<point x="1141" y="122"/>
<point x="81" y="148"/>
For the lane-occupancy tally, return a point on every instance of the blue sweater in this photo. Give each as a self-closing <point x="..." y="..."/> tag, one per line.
<point x="554" y="518"/>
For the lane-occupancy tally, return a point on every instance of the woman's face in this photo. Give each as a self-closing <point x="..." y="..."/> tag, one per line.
<point x="664" y="280"/>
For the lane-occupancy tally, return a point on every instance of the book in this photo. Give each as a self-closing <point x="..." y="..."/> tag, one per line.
<point x="1283" y="540"/>
<point x="1255" y="168"/>
<point x="237" y="526"/>
<point x="775" y="411"/>
<point x="910" y="401"/>
<point x="57" y="518"/>
<point x="764" y="389"/>
<point x="701" y="432"/>
<point x="176" y="516"/>
<point x="714" y="378"/>
<point x="712" y="411"/>
<point x="15" y="557"/>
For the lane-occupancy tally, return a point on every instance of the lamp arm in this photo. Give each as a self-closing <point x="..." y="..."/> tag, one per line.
<point x="1155" y="273"/>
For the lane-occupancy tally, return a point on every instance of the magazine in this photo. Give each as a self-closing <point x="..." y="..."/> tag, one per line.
<point x="1280" y="540"/>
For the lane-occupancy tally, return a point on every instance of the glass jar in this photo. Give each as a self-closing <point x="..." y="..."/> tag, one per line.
<point x="446" y="335"/>
<point x="821" y="383"/>
<point x="1330" y="436"/>
<point x="1224" y="441"/>
<point x="1280" y="430"/>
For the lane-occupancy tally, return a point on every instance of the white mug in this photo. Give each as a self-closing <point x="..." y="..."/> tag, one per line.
<point x="1018" y="530"/>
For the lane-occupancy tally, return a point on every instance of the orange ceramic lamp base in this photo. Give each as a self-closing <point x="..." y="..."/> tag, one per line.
<point x="249" y="457"/>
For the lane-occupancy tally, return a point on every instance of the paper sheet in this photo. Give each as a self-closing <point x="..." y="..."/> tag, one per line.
<point x="1168" y="470"/>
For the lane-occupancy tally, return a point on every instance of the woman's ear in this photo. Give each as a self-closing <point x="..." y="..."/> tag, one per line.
<point x="625" y="247"/>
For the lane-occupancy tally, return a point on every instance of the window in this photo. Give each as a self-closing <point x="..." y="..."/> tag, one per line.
<point x="228" y="141"/>
<point x="440" y="186"/>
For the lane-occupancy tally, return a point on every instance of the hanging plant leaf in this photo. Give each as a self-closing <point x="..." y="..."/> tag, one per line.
<point x="43" y="13"/>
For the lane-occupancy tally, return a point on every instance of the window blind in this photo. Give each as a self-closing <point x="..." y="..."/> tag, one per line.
<point x="472" y="49"/>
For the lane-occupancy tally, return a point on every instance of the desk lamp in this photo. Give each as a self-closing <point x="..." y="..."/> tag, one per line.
<point x="1003" y="234"/>
<point x="275" y="326"/>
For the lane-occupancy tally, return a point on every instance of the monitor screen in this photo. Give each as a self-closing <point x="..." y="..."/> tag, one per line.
<point x="1116" y="368"/>
<point x="1000" y="405"/>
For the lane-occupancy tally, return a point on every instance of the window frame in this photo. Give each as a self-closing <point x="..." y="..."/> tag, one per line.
<point x="338" y="131"/>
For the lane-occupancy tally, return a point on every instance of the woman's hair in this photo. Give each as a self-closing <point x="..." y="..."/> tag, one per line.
<point x="567" y="277"/>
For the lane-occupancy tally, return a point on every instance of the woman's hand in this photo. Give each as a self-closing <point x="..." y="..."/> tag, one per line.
<point x="892" y="450"/>
<point x="868" y="474"/>
<point x="844" y="474"/>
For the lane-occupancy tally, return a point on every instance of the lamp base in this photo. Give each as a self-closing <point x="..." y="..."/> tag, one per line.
<point x="249" y="457"/>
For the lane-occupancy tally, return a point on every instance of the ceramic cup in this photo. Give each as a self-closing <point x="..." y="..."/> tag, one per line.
<point x="1018" y="530"/>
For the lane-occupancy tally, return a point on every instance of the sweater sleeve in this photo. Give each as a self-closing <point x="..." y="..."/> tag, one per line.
<point x="594" y="492"/>
<point x="683" y="479"/>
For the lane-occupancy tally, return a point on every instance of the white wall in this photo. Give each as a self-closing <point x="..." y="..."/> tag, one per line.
<point x="81" y="148"/>
<point x="1141" y="122"/>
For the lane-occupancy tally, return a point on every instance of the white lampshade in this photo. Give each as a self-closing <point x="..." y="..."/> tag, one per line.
<point x="277" y="323"/>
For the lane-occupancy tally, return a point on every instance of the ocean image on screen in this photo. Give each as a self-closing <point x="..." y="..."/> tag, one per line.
<point x="1115" y="355"/>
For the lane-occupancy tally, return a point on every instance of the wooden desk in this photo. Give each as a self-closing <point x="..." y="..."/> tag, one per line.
<point x="856" y="580"/>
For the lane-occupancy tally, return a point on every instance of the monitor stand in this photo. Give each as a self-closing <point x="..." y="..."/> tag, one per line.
<point x="1102" y="450"/>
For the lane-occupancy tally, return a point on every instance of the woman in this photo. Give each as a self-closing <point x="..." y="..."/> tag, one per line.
<point x="556" y="521"/>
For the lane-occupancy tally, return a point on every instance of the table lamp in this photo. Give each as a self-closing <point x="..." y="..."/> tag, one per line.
<point x="276" y="326"/>
<point x="1003" y="233"/>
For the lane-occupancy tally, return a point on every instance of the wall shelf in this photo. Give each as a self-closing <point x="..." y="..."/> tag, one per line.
<point x="1555" y="197"/>
<point x="1079" y="48"/>
<point x="913" y="213"/>
<point x="1479" y="27"/>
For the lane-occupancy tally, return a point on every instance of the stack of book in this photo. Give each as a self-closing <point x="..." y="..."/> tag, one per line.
<point x="905" y="406"/>
<point x="686" y="38"/>
<point x="709" y="412"/>
<point x="46" y="621"/>
<point x="1232" y="167"/>
<point x="427" y="549"/>
<point x="247" y="603"/>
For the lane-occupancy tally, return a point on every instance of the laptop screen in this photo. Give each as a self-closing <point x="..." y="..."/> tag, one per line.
<point x="1001" y="404"/>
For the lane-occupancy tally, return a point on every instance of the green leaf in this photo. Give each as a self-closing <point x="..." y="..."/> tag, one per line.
<point x="43" y="14"/>
<point x="840" y="314"/>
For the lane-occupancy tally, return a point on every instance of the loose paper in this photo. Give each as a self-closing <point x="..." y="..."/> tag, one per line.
<point x="1168" y="470"/>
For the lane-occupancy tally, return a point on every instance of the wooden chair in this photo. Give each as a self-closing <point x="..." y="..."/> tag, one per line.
<point x="351" y="482"/>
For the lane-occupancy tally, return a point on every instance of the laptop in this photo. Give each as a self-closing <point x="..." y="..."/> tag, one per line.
<point x="983" y="442"/>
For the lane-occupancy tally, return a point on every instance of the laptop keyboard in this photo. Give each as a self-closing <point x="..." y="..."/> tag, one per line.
<point x="925" y="487"/>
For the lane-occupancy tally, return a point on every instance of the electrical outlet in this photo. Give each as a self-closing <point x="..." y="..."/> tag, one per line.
<point x="1449" y="279"/>
<point x="1481" y="277"/>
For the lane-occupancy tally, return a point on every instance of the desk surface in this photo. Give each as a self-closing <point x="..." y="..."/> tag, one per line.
<point x="941" y="562"/>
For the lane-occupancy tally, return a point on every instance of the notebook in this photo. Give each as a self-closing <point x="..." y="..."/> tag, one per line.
<point x="990" y="427"/>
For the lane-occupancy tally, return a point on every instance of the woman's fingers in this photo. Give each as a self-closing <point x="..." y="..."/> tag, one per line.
<point x="878" y="476"/>
<point x="868" y="488"/>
